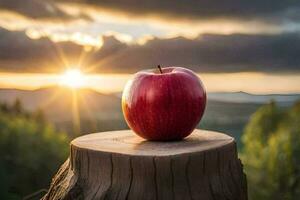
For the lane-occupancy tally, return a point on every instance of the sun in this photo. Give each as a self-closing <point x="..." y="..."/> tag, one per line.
<point x="73" y="78"/>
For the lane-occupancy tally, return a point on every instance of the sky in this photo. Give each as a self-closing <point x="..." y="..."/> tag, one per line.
<point x="242" y="39"/>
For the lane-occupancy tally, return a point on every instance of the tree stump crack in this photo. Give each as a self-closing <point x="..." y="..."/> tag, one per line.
<point x="172" y="178"/>
<point x="155" y="178"/>
<point x="187" y="177"/>
<point x="131" y="177"/>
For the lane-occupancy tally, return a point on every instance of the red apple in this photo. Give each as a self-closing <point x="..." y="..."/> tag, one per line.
<point x="165" y="104"/>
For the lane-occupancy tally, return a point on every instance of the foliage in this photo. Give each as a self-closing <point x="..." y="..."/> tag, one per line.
<point x="30" y="151"/>
<point x="271" y="153"/>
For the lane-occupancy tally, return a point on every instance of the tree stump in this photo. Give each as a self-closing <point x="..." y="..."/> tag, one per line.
<point x="121" y="165"/>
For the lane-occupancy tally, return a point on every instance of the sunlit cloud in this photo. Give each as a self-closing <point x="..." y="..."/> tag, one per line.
<point x="140" y="26"/>
<point x="196" y="16"/>
<point x="76" y="37"/>
<point x="14" y="21"/>
<point x="130" y="28"/>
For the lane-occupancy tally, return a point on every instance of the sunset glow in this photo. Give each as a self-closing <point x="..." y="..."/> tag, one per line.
<point x="73" y="78"/>
<point x="110" y="83"/>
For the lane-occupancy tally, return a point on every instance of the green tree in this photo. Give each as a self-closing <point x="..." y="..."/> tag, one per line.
<point x="17" y="107"/>
<point x="271" y="153"/>
<point x="30" y="150"/>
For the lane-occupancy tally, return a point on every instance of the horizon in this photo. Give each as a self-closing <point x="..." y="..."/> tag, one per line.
<point x="248" y="82"/>
<point x="119" y="92"/>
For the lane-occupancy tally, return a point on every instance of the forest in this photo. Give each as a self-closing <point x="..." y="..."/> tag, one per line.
<point x="32" y="149"/>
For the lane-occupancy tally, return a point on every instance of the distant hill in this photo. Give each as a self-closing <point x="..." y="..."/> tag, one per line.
<point x="243" y="97"/>
<point x="95" y="111"/>
<point x="227" y="112"/>
<point x="58" y="102"/>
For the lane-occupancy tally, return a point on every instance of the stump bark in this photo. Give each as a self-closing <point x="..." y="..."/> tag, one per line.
<point x="121" y="165"/>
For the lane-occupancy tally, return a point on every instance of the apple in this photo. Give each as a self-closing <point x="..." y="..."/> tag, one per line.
<point x="164" y="104"/>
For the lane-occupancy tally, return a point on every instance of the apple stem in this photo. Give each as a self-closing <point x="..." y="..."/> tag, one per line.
<point x="159" y="67"/>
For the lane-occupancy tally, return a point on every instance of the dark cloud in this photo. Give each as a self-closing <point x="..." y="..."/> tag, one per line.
<point x="22" y="54"/>
<point x="19" y="53"/>
<point x="37" y="9"/>
<point x="208" y="53"/>
<point x="212" y="53"/>
<point x="267" y="10"/>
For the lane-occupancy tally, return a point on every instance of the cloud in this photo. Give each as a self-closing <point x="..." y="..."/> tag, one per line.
<point x="21" y="54"/>
<point x="277" y="53"/>
<point x="135" y="19"/>
<point x="211" y="53"/>
<point x="35" y="9"/>
<point x="204" y="15"/>
<point x="273" y="11"/>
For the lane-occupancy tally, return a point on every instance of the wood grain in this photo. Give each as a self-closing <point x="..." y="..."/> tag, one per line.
<point x="121" y="165"/>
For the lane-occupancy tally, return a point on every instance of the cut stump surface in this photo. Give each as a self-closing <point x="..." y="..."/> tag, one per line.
<point x="121" y="165"/>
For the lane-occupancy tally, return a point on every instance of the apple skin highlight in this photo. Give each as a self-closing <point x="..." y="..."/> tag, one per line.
<point x="164" y="105"/>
